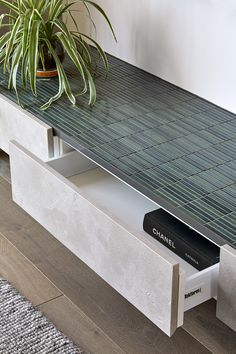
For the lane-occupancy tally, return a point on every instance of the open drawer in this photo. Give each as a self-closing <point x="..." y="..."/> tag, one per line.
<point x="99" y="218"/>
<point x="17" y="124"/>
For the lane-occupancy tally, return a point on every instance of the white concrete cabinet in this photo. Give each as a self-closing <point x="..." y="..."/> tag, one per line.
<point x="16" y="123"/>
<point x="99" y="218"/>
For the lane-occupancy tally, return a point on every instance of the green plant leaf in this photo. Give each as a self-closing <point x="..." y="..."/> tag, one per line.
<point x="2" y="18"/>
<point x="84" y="50"/>
<point x="2" y="55"/>
<point x="14" y="67"/>
<point x="73" y="20"/>
<point x="75" y="57"/>
<point x="10" y="44"/>
<point x="92" y="90"/>
<point x="99" y="9"/>
<point x="24" y="69"/>
<point x="42" y="5"/>
<point x="4" y="40"/>
<point x="25" y="52"/>
<point x="62" y="74"/>
<point x="25" y="35"/>
<point x="99" y="49"/>
<point x="33" y="54"/>
<point x="54" y="98"/>
<point x="9" y="5"/>
<point x="62" y="27"/>
<point x="62" y="9"/>
<point x="90" y="17"/>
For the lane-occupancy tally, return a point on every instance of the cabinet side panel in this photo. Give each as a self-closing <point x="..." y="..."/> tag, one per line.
<point x="226" y="298"/>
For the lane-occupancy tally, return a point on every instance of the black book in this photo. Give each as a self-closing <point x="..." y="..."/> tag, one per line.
<point x="179" y="238"/>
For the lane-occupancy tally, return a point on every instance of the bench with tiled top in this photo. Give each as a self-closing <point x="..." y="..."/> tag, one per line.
<point x="173" y="148"/>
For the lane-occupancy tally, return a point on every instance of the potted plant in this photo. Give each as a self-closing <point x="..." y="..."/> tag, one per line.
<point x="37" y="38"/>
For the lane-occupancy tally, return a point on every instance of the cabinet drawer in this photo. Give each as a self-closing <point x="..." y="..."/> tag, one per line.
<point x="99" y="218"/>
<point x="17" y="124"/>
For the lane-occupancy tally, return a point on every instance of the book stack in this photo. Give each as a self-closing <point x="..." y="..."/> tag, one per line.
<point x="179" y="238"/>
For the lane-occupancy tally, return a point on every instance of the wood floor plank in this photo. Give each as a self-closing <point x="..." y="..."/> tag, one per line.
<point x="11" y="216"/>
<point x="21" y="273"/>
<point x="202" y="323"/>
<point x="82" y="331"/>
<point x="122" y="322"/>
<point x="69" y="319"/>
<point x="4" y="166"/>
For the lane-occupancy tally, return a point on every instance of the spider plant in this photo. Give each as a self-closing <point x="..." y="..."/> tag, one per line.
<point x="32" y="26"/>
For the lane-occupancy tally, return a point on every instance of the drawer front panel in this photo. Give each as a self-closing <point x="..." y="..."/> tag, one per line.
<point x="136" y="270"/>
<point x="16" y="124"/>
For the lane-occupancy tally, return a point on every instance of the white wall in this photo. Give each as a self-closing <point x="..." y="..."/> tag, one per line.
<point x="191" y="43"/>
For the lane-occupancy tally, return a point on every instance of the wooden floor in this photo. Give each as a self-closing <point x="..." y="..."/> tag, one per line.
<point x="81" y="304"/>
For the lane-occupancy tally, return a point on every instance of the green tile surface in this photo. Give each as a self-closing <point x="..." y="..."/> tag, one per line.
<point x="169" y="144"/>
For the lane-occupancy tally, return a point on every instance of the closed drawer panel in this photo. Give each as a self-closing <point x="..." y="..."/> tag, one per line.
<point x="99" y="218"/>
<point x="17" y="124"/>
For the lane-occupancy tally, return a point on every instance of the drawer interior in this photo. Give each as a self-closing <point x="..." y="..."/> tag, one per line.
<point x="111" y="195"/>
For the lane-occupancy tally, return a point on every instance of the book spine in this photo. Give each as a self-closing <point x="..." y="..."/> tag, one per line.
<point x="175" y="244"/>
